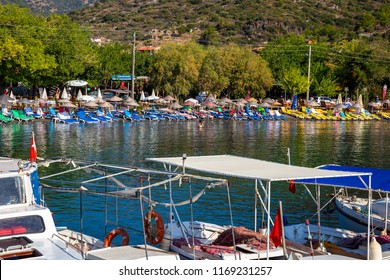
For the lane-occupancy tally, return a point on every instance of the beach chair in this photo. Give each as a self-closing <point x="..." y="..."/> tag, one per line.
<point x="5" y="119"/>
<point x="64" y="117"/>
<point x="84" y="118"/>
<point x="17" y="116"/>
<point x="29" y="112"/>
<point x="112" y="117"/>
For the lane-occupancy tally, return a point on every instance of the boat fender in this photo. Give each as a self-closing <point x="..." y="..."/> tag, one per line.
<point x="375" y="249"/>
<point x="112" y="234"/>
<point x="154" y="227"/>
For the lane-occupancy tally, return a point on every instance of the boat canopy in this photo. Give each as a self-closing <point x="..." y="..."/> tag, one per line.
<point x="242" y="167"/>
<point x="380" y="179"/>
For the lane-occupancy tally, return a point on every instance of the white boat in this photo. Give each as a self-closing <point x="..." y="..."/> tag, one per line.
<point x="264" y="174"/>
<point x="334" y="241"/>
<point x="206" y="241"/>
<point x="353" y="213"/>
<point x="28" y="231"/>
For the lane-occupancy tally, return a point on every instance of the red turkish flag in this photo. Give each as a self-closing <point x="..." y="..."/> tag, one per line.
<point x="276" y="233"/>
<point x="33" y="149"/>
<point x="291" y="187"/>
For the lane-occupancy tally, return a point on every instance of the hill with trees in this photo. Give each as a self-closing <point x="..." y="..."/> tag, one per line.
<point x="245" y="22"/>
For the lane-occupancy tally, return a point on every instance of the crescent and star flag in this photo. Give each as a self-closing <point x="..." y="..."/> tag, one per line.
<point x="276" y="233"/>
<point x="33" y="149"/>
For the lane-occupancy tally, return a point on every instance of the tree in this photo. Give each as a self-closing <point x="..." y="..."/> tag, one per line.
<point x="294" y="82"/>
<point x="23" y="51"/>
<point x="176" y="68"/>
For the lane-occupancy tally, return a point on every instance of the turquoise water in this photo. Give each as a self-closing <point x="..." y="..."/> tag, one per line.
<point x="311" y="144"/>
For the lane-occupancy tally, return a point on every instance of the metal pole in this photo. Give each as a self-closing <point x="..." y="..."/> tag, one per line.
<point x="308" y="76"/>
<point x="132" y="68"/>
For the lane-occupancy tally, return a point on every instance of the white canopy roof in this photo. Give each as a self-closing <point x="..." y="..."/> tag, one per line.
<point x="242" y="167"/>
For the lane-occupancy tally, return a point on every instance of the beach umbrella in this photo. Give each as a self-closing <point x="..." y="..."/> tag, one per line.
<point x="142" y="98"/>
<point x="6" y="99"/>
<point x="225" y="100"/>
<point x="152" y="97"/>
<point x="91" y="104"/>
<point x="209" y="104"/>
<point x="115" y="98"/>
<point x="79" y="95"/>
<point x="131" y="103"/>
<point x="12" y="95"/>
<point x="64" y="96"/>
<point x="339" y="106"/>
<point x="252" y="100"/>
<point x="175" y="105"/>
<point x="242" y="100"/>
<point x="339" y="99"/>
<point x="68" y="105"/>
<point x="189" y="103"/>
<point x="44" y="94"/>
<point x="268" y="100"/>
<point x="106" y="105"/>
<point x="99" y="97"/>
<point x="312" y="104"/>
<point x="253" y="104"/>
<point x="265" y="105"/>
<point x="276" y="104"/>
<point x="169" y="98"/>
<point x="76" y="83"/>
<point x="360" y="100"/>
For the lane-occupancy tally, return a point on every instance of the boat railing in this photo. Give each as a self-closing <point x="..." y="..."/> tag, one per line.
<point x="69" y="244"/>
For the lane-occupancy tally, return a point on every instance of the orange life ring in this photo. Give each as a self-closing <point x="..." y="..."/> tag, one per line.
<point x="154" y="227"/>
<point x="115" y="232"/>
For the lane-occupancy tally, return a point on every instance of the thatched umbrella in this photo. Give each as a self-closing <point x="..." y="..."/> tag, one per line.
<point x="268" y="100"/>
<point x="68" y="105"/>
<point x="131" y="103"/>
<point x="106" y="105"/>
<point x="209" y="104"/>
<point x="312" y="104"/>
<point x="225" y="100"/>
<point x="175" y="105"/>
<point x="115" y="98"/>
<point x="265" y="105"/>
<point x="6" y="99"/>
<point x="91" y="104"/>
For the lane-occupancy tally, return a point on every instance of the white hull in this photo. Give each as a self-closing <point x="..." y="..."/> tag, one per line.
<point x="353" y="214"/>
<point x="335" y="241"/>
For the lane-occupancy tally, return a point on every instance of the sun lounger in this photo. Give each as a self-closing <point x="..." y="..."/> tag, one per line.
<point x="19" y="117"/>
<point x="86" y="119"/>
<point x="64" y="117"/>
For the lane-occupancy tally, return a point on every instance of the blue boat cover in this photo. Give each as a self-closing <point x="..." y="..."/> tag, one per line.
<point x="380" y="179"/>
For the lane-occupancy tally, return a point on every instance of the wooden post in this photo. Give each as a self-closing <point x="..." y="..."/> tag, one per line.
<point x="282" y="224"/>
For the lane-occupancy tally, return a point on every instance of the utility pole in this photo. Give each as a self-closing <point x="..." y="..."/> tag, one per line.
<point x="308" y="75"/>
<point x="132" y="68"/>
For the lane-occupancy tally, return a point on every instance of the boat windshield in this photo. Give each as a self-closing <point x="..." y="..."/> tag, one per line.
<point x="11" y="191"/>
<point x="21" y="225"/>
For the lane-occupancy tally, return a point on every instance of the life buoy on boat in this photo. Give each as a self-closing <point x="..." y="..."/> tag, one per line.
<point x="115" y="232"/>
<point x="154" y="227"/>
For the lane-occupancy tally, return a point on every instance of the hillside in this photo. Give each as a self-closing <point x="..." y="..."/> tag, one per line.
<point x="245" y="21"/>
<point x="46" y="7"/>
